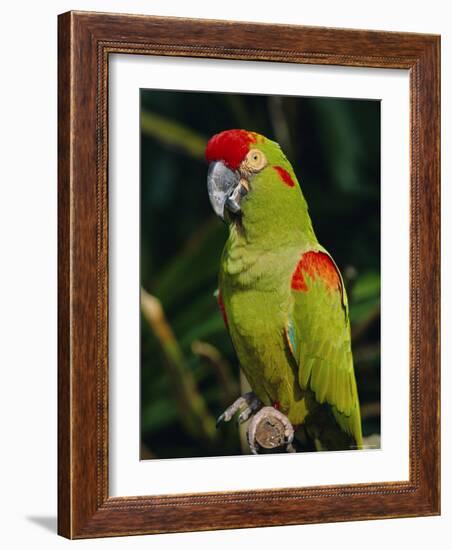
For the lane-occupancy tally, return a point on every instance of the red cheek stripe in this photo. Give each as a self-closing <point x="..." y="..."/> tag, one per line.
<point x="285" y="176"/>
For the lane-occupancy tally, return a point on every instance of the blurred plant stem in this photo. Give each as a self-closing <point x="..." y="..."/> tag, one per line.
<point x="280" y="125"/>
<point x="244" y="388"/>
<point x="193" y="410"/>
<point x="239" y="111"/>
<point x="230" y="388"/>
<point x="174" y="134"/>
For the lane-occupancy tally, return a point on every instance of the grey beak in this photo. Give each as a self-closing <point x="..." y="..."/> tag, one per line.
<point x="223" y="186"/>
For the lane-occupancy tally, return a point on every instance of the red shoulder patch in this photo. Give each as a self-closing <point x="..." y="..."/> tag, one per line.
<point x="315" y="264"/>
<point x="222" y="309"/>
<point x="230" y="146"/>
<point x="285" y="176"/>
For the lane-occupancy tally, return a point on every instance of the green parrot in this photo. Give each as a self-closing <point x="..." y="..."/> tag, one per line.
<point x="282" y="296"/>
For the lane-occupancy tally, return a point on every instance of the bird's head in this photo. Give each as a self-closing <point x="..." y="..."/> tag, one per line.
<point x="252" y="185"/>
<point x="249" y="176"/>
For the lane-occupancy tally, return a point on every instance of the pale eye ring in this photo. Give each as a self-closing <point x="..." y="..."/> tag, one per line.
<point x="256" y="160"/>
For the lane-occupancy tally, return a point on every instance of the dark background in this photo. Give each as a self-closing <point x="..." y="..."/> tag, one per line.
<point x="189" y="372"/>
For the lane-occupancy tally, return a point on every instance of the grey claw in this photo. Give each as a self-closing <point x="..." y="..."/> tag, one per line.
<point x="253" y="447"/>
<point x="253" y="406"/>
<point x="247" y="400"/>
<point x="243" y="416"/>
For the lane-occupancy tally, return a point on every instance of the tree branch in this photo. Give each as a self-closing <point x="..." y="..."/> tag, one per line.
<point x="194" y="412"/>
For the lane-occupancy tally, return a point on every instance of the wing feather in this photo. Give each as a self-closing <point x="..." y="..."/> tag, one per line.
<point x="318" y="332"/>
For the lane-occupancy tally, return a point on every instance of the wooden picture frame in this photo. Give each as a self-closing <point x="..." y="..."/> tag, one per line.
<point x="85" y="42"/>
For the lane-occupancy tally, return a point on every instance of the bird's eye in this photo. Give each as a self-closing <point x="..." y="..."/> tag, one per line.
<point x="256" y="160"/>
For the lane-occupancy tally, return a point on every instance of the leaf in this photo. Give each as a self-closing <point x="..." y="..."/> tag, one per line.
<point x="195" y="266"/>
<point x="173" y="134"/>
<point x="367" y="286"/>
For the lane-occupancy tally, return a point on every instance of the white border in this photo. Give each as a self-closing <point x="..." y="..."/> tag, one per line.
<point x="129" y="475"/>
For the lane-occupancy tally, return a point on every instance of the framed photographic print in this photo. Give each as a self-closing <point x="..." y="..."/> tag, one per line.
<point x="248" y="275"/>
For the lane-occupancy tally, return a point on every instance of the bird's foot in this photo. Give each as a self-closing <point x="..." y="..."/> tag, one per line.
<point x="247" y="404"/>
<point x="270" y="429"/>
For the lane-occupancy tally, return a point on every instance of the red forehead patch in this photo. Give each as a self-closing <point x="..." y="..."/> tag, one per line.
<point x="230" y="146"/>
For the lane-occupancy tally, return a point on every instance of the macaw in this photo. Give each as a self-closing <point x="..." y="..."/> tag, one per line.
<point x="282" y="295"/>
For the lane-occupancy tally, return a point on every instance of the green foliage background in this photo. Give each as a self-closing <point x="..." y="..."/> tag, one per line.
<point x="334" y="146"/>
